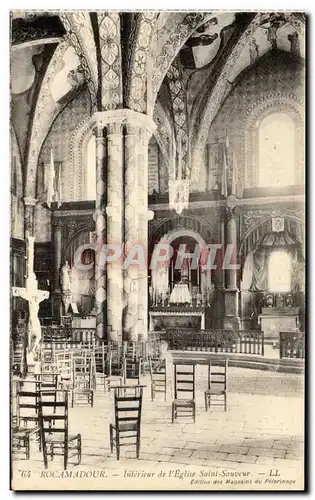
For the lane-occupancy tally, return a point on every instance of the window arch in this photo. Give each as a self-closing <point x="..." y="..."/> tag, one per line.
<point x="276" y="150"/>
<point x="90" y="169"/>
<point x="287" y="111"/>
<point x="279" y="271"/>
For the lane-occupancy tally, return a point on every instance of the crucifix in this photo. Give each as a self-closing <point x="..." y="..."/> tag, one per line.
<point x="33" y="297"/>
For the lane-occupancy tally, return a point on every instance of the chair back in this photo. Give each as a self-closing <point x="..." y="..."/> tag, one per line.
<point x="53" y="414"/>
<point x="27" y="402"/>
<point x="184" y="381"/>
<point x="128" y="406"/>
<point x="64" y="363"/>
<point x="47" y="380"/>
<point x="83" y="370"/>
<point x="100" y="357"/>
<point x="115" y="363"/>
<point x="132" y="370"/>
<point x="217" y="375"/>
<point x="157" y="367"/>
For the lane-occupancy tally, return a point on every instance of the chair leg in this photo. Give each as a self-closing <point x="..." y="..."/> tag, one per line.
<point x="79" y="449"/>
<point x="152" y="392"/>
<point x="173" y="412"/>
<point x="194" y="412"/>
<point x="111" y="437"/>
<point x="138" y="445"/>
<point x="65" y="457"/>
<point x="225" y="402"/>
<point x="117" y="446"/>
<point x="45" y="455"/>
<point x="27" y="447"/>
<point x="206" y="401"/>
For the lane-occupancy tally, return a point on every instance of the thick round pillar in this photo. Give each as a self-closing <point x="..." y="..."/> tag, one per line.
<point x="115" y="210"/>
<point x="56" y="266"/>
<point x="231" y="240"/>
<point x="138" y="131"/>
<point x="29" y="215"/>
<point x="231" y="319"/>
<point x="100" y="227"/>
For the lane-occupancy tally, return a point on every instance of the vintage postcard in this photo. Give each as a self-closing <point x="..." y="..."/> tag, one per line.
<point x="157" y="165"/>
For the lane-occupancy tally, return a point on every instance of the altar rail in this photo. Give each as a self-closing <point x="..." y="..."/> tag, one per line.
<point x="292" y="345"/>
<point x="241" y="342"/>
<point x="65" y="334"/>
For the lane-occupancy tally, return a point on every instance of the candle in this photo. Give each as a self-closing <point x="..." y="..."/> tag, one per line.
<point x="180" y="154"/>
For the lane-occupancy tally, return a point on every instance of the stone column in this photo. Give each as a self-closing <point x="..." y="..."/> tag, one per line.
<point x="56" y="266"/>
<point x="115" y="211"/>
<point x="231" y="319"/>
<point x="139" y="129"/>
<point x="100" y="227"/>
<point x="29" y="215"/>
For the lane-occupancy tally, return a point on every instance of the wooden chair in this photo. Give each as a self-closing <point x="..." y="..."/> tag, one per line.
<point x="126" y="429"/>
<point x="115" y="370"/>
<point x="25" y="423"/>
<point x="53" y="423"/>
<point x="157" y="368"/>
<point x="132" y="370"/>
<point x="217" y="385"/>
<point x="184" y="384"/>
<point x="100" y="364"/>
<point x="64" y="364"/>
<point x="83" y="379"/>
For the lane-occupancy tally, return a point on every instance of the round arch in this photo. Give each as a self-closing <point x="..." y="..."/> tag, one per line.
<point x="181" y="226"/>
<point x="273" y="102"/>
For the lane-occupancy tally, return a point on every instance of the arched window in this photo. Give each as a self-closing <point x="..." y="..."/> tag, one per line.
<point x="277" y="156"/>
<point x="279" y="271"/>
<point x="90" y="170"/>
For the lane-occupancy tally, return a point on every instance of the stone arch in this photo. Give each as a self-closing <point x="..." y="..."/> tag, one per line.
<point x="44" y="114"/>
<point x="169" y="37"/>
<point x="79" y="34"/>
<point x="78" y="143"/>
<point x="184" y="224"/>
<point x="263" y="223"/>
<point x="138" y="91"/>
<point x="273" y="102"/>
<point x="177" y="233"/>
<point x="220" y="91"/>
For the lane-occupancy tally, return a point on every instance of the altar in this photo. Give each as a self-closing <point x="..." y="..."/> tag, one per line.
<point x="274" y="320"/>
<point x="177" y="317"/>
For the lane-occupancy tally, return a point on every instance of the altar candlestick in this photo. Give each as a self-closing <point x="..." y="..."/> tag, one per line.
<point x="180" y="159"/>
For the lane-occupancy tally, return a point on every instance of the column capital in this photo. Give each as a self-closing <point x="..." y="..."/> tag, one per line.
<point x="124" y="117"/>
<point x="57" y="223"/>
<point x="31" y="202"/>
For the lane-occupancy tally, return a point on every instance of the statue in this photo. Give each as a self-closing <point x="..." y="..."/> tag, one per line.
<point x="33" y="297"/>
<point x="65" y="277"/>
<point x="65" y="282"/>
<point x="34" y="327"/>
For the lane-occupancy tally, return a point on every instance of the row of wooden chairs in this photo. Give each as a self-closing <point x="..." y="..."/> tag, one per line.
<point x="46" y="418"/>
<point x="42" y="412"/>
<point x="185" y="389"/>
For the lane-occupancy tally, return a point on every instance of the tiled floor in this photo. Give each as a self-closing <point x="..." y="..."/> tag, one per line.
<point x="263" y="426"/>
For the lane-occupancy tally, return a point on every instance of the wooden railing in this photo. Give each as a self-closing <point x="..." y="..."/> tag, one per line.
<point x="225" y="341"/>
<point x="292" y="345"/>
<point x="229" y="341"/>
<point x="64" y="334"/>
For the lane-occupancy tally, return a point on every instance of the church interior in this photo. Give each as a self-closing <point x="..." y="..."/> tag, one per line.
<point x="145" y="130"/>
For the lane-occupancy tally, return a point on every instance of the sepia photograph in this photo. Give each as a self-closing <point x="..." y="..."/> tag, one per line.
<point x="157" y="250"/>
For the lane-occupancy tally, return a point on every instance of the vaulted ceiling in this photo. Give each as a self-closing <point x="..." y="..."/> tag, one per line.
<point x="175" y="66"/>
